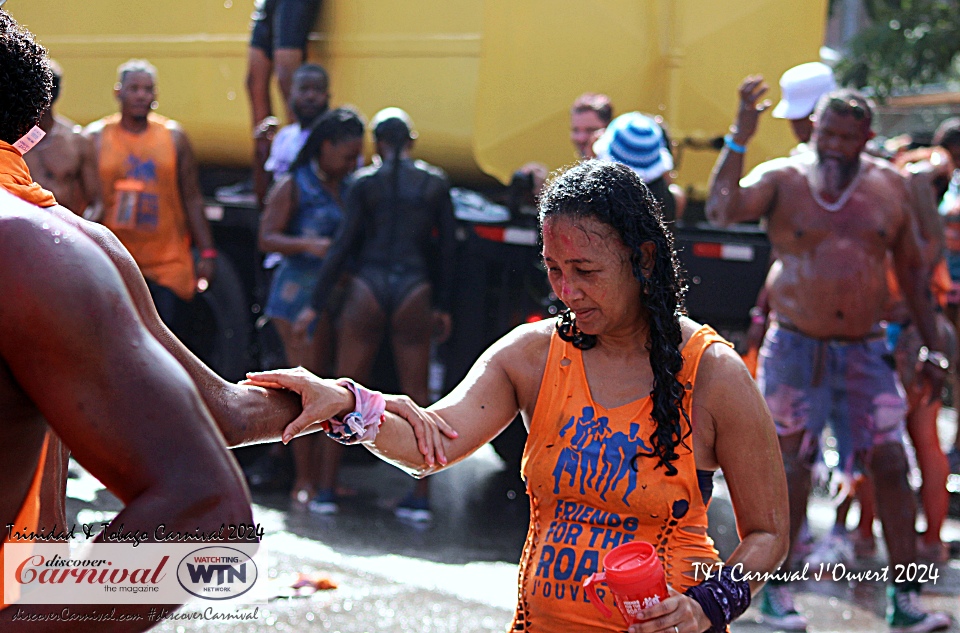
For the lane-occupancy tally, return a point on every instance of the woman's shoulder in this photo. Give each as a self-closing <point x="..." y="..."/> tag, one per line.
<point x="524" y="349"/>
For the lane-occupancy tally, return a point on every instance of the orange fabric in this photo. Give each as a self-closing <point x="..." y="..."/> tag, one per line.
<point x="142" y="202"/>
<point x="585" y="499"/>
<point x="939" y="284"/>
<point x="29" y="516"/>
<point x="750" y="359"/>
<point x="15" y="178"/>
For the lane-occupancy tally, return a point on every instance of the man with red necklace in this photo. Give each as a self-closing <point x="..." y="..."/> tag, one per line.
<point x="833" y="217"/>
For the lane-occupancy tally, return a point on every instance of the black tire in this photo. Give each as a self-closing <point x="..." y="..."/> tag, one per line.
<point x="220" y="324"/>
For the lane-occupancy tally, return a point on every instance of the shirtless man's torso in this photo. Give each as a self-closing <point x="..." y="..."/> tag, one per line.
<point x="64" y="163"/>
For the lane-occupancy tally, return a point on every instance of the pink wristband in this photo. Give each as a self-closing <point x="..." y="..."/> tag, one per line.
<point x="363" y="423"/>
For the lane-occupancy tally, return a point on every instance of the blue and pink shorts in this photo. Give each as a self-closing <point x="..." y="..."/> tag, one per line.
<point x="808" y="382"/>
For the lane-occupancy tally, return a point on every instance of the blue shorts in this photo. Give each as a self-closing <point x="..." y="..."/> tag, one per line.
<point x="292" y="286"/>
<point x="808" y="381"/>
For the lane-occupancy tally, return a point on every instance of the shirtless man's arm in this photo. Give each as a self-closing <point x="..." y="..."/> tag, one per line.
<point x="731" y="201"/>
<point x="504" y="380"/>
<point x="188" y="175"/>
<point x="244" y="414"/>
<point x="75" y="346"/>
<point x="912" y="275"/>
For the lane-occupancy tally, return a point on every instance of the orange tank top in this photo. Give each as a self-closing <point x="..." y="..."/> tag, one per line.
<point x="585" y="499"/>
<point x="142" y="201"/>
<point x="29" y="516"/>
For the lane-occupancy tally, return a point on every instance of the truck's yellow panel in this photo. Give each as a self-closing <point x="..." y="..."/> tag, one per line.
<point x="488" y="83"/>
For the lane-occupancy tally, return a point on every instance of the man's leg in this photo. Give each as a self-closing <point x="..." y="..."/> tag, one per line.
<point x="293" y="22"/>
<point x="878" y="411"/>
<point x="789" y="375"/>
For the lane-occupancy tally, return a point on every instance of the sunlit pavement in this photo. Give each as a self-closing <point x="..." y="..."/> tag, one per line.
<point x="458" y="574"/>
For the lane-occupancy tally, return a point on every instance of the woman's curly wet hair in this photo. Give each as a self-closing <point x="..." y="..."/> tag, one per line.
<point x="25" y="80"/>
<point x="614" y="195"/>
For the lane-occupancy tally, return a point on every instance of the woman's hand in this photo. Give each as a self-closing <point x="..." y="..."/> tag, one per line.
<point x="317" y="246"/>
<point x="677" y="614"/>
<point x="427" y="426"/>
<point x="321" y="398"/>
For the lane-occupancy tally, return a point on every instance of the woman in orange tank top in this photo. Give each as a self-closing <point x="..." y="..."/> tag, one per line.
<point x="630" y="406"/>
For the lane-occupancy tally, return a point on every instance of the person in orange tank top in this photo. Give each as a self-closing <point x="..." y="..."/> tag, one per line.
<point x="151" y="193"/>
<point x="631" y="407"/>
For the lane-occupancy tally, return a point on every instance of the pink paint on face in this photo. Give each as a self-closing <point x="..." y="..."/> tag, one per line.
<point x="589" y="269"/>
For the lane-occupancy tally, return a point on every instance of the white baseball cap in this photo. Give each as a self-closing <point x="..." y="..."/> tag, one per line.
<point x="800" y="89"/>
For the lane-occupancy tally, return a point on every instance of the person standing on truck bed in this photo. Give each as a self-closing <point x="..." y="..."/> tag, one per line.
<point x="64" y="161"/>
<point x="278" y="46"/>
<point x="393" y="210"/>
<point x="834" y="215"/>
<point x="151" y="193"/>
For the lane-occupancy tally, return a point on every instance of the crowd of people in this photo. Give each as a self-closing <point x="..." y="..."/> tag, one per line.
<point x="855" y="328"/>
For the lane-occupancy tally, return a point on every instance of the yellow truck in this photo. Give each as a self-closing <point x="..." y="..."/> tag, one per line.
<point x="489" y="83"/>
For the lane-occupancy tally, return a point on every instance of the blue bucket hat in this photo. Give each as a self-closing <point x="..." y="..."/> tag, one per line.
<point x="636" y="141"/>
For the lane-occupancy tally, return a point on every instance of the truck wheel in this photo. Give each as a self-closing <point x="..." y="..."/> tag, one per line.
<point x="219" y="324"/>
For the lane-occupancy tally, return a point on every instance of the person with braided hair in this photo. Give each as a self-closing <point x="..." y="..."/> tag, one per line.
<point x="620" y="383"/>
<point x="393" y="210"/>
<point x="301" y="215"/>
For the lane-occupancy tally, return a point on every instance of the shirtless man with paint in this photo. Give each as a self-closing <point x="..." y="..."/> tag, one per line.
<point x="64" y="162"/>
<point x="83" y="352"/>
<point x="833" y="216"/>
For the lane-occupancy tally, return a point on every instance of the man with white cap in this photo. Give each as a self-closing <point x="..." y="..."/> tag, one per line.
<point x="834" y="216"/>
<point x="800" y="89"/>
<point x="638" y="141"/>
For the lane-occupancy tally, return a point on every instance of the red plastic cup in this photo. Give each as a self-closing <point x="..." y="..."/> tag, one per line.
<point x="635" y="577"/>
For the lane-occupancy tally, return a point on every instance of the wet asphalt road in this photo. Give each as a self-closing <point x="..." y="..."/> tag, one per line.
<point x="458" y="574"/>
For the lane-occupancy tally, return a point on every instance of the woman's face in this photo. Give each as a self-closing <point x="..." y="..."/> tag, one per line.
<point x="589" y="270"/>
<point x="337" y="160"/>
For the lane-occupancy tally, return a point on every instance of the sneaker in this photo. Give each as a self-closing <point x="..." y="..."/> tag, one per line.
<point x="239" y="193"/>
<point x="833" y="548"/>
<point x="415" y="509"/>
<point x="778" y="611"/>
<point x="906" y="615"/>
<point x="325" y="502"/>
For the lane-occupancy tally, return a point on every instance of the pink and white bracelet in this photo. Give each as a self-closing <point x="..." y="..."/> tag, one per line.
<point x="363" y="423"/>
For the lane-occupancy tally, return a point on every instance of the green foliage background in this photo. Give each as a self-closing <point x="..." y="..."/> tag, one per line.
<point x="909" y="43"/>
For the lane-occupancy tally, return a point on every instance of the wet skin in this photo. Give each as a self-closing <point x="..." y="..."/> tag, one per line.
<point x="64" y="163"/>
<point x="829" y="275"/>
<point x="75" y="354"/>
<point x="589" y="268"/>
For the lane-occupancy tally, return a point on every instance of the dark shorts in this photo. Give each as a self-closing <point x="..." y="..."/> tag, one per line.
<point x="808" y="381"/>
<point x="282" y="24"/>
